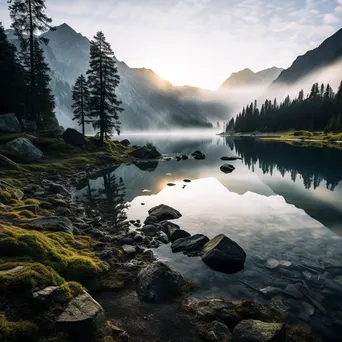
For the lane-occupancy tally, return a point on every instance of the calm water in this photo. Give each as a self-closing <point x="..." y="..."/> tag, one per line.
<point x="282" y="204"/>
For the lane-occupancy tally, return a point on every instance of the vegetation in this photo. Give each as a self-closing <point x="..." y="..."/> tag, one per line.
<point x="103" y="79"/>
<point x="320" y="110"/>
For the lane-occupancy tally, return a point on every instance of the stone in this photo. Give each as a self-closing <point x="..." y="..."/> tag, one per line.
<point x="271" y="291"/>
<point x="19" y="194"/>
<point x="198" y="155"/>
<point x="144" y="152"/>
<point x="168" y="227"/>
<point x="55" y="223"/>
<point x="171" y="184"/>
<point x="12" y="270"/>
<point x="223" y="255"/>
<point x="22" y="150"/>
<point x="33" y="208"/>
<point x="230" y="158"/>
<point x="227" y="168"/>
<point x="29" y="125"/>
<point x="150" y="229"/>
<point x="178" y="234"/>
<point x="184" y="157"/>
<point x="159" y="282"/>
<point x="9" y="123"/>
<point x="190" y="245"/>
<point x="187" y="181"/>
<point x="258" y="331"/>
<point x="151" y="219"/>
<point x="221" y="331"/>
<point x="73" y="137"/>
<point x="164" y="212"/>
<point x="63" y="211"/>
<point x="127" y="241"/>
<point x="82" y="316"/>
<point x="45" y="294"/>
<point x="138" y="238"/>
<point x="294" y="291"/>
<point x="59" y="189"/>
<point x="125" y="142"/>
<point x="163" y="238"/>
<point x="128" y="249"/>
<point x="272" y="263"/>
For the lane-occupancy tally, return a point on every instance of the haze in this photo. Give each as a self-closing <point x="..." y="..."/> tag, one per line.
<point x="201" y="42"/>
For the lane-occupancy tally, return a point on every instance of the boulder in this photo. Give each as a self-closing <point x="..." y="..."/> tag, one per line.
<point x="163" y="212"/>
<point x="9" y="123"/>
<point x="162" y="237"/>
<point x="151" y="219"/>
<point x="82" y="316"/>
<point x="258" y="331"/>
<point x="29" y="125"/>
<point x="73" y="137"/>
<point x="54" y="223"/>
<point x="159" y="282"/>
<point x="198" y="155"/>
<point x="144" y="152"/>
<point x="169" y="227"/>
<point x="125" y="142"/>
<point x="184" y="157"/>
<point x="59" y="189"/>
<point x="179" y="234"/>
<point x="33" y="208"/>
<point x="45" y="294"/>
<point x="22" y="150"/>
<point x="230" y="158"/>
<point x="223" y="255"/>
<point x="150" y="229"/>
<point x="227" y="168"/>
<point x="63" y="211"/>
<point x="220" y="332"/>
<point x="129" y="250"/>
<point x="190" y="245"/>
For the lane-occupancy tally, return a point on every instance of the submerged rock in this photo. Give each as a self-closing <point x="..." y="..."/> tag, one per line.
<point x="258" y="331"/>
<point x="73" y="137"/>
<point x="272" y="263"/>
<point x="54" y="223"/>
<point x="158" y="282"/>
<point x="163" y="212"/>
<point x="190" y="245"/>
<point x="227" y="168"/>
<point x="179" y="234"/>
<point x="22" y="150"/>
<point x="223" y="255"/>
<point x="169" y="227"/>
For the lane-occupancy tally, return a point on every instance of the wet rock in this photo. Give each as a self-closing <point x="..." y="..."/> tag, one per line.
<point x="54" y="223"/>
<point x="150" y="229"/>
<point x="151" y="220"/>
<point x="125" y="142"/>
<point x="258" y="331"/>
<point x="21" y="150"/>
<point x="221" y="332"/>
<point x="272" y="263"/>
<point x="190" y="245"/>
<point x="138" y="238"/>
<point x="128" y="249"/>
<point x="230" y="158"/>
<point x="83" y="316"/>
<point x="159" y="282"/>
<point x="9" y="123"/>
<point x="178" y="234"/>
<point x="163" y="212"/>
<point x="73" y="137"/>
<point x="163" y="238"/>
<point x="168" y="227"/>
<point x="184" y="157"/>
<point x="223" y="255"/>
<point x="63" y="211"/>
<point x="271" y="291"/>
<point x="148" y="254"/>
<point x="144" y="152"/>
<point x="146" y="240"/>
<point x="227" y="168"/>
<point x="294" y="290"/>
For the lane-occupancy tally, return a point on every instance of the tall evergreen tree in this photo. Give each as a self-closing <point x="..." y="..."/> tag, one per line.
<point x="29" y="19"/>
<point x="80" y="99"/>
<point x="103" y="79"/>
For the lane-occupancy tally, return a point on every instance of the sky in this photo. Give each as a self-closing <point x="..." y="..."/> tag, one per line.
<point x="201" y="42"/>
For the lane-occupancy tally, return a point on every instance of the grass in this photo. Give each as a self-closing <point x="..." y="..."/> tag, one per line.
<point x="305" y="135"/>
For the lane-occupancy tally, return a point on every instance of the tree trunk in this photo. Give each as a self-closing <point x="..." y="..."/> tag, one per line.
<point x="101" y="98"/>
<point x="32" y="71"/>
<point x="82" y="110"/>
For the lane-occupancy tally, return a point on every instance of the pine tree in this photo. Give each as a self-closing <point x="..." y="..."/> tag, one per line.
<point x="29" y="19"/>
<point x="80" y="99"/>
<point x="103" y="78"/>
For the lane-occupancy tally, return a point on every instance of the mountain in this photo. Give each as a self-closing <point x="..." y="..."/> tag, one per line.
<point x="149" y="101"/>
<point x="248" y="78"/>
<point x="329" y="52"/>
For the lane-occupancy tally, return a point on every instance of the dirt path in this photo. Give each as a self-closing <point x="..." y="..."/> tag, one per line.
<point x="147" y="322"/>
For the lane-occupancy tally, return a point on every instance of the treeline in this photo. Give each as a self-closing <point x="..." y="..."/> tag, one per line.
<point x="321" y="110"/>
<point x="25" y="81"/>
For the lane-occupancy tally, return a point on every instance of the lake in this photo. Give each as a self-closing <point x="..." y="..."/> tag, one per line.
<point x="282" y="204"/>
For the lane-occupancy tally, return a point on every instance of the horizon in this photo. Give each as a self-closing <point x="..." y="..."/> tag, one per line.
<point x="176" y="41"/>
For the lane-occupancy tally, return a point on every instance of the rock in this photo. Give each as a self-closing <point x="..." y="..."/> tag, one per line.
<point x="127" y="241"/>
<point x="151" y="219"/>
<point x="9" y="123"/>
<point x="294" y="290"/>
<point x="163" y="238"/>
<point x="223" y="255"/>
<point x="55" y="223"/>
<point x="190" y="245"/>
<point x="33" y="208"/>
<point x="125" y="142"/>
<point x="159" y="282"/>
<point x="19" y="194"/>
<point x="138" y="238"/>
<point x="212" y="336"/>
<point x="163" y="212"/>
<point x="271" y="291"/>
<point x="171" y="184"/>
<point x="230" y="158"/>
<point x="147" y="165"/>
<point x="59" y="189"/>
<point x="258" y="331"/>
<point x="150" y="229"/>
<point x="148" y="254"/>
<point x="128" y="249"/>
<point x="29" y="125"/>
<point x="198" y="155"/>
<point x="227" y="168"/>
<point x="22" y="150"/>
<point x="221" y="331"/>
<point x="63" y="211"/>
<point x="272" y="263"/>
<point x="187" y="181"/>
<point x="73" y="137"/>
<point x="184" y="157"/>
<point x="12" y="270"/>
<point x="179" y="234"/>
<point x="144" y="152"/>
<point x="168" y="227"/>
<point x="82" y="316"/>
<point x="178" y="158"/>
<point x="45" y="294"/>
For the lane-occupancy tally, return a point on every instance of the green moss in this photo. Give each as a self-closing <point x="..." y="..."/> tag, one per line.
<point x="21" y="331"/>
<point x="31" y="201"/>
<point x="212" y="243"/>
<point x="5" y="197"/>
<point x="70" y="256"/>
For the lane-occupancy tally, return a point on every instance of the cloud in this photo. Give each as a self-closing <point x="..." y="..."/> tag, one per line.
<point x="330" y="19"/>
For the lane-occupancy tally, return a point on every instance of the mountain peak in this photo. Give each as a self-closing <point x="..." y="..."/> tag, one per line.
<point x="65" y="28"/>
